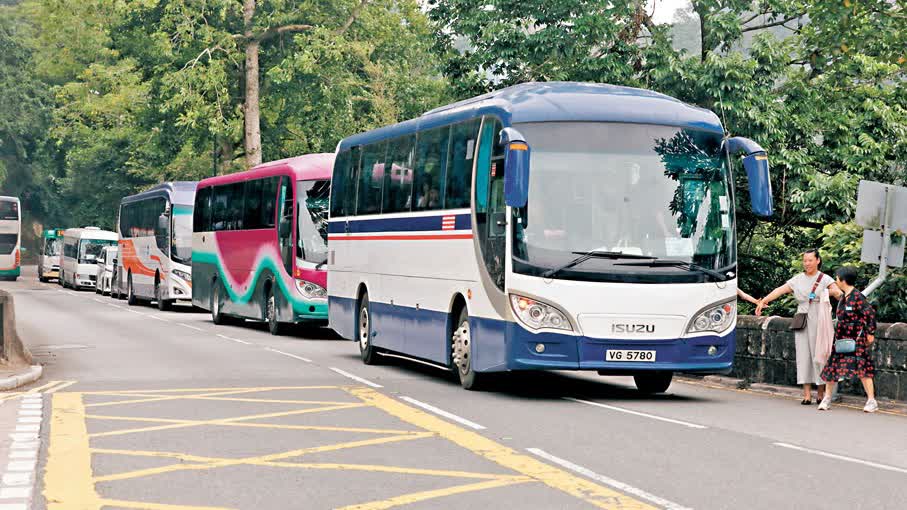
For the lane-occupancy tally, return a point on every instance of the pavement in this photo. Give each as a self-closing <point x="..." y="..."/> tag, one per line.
<point x="165" y="410"/>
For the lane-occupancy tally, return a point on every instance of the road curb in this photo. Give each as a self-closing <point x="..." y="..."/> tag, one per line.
<point x="12" y="382"/>
<point x="853" y="401"/>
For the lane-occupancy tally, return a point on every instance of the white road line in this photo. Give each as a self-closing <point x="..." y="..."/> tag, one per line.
<point x="189" y="326"/>
<point x="637" y="413"/>
<point x="629" y="489"/>
<point x="118" y="307"/>
<point x="842" y="457"/>
<point x="135" y="312"/>
<point x="66" y="384"/>
<point x="356" y="378"/>
<point x="155" y="317"/>
<point x="307" y="360"/>
<point x="99" y="301"/>
<point x="234" y="339"/>
<point x="441" y="412"/>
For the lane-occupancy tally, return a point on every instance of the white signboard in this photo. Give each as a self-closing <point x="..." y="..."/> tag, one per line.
<point x="872" y="249"/>
<point x="871" y="206"/>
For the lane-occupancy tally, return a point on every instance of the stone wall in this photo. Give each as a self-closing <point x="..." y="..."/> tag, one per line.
<point x="766" y="354"/>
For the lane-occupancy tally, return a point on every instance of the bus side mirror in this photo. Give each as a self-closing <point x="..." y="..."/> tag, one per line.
<point x="163" y="224"/>
<point x="516" y="168"/>
<point x="755" y="162"/>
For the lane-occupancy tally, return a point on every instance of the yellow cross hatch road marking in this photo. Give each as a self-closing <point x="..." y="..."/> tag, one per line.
<point x="71" y="485"/>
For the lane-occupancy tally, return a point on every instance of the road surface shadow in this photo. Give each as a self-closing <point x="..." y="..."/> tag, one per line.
<point x="540" y="385"/>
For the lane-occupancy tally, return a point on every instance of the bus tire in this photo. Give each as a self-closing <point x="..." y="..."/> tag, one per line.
<point x="216" y="305"/>
<point x="163" y="305"/>
<point x="461" y="354"/>
<point x="275" y="327"/>
<point x="367" y="350"/>
<point x="654" y="382"/>
<point x="42" y="279"/>
<point x="131" y="298"/>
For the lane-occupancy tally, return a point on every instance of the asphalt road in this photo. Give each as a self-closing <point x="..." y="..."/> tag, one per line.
<point x="164" y="410"/>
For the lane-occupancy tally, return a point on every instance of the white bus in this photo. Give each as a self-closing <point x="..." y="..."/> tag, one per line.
<point x="49" y="258"/>
<point x="155" y="258"/>
<point x="616" y="253"/>
<point x="81" y="247"/>
<point x="10" y="238"/>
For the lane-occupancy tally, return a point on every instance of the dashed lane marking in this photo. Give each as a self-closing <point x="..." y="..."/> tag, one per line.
<point x="356" y="378"/>
<point x="190" y="326"/>
<point x="237" y="340"/>
<point x="629" y="489"/>
<point x="842" y="457"/>
<point x="300" y="358"/>
<point x="637" y="413"/>
<point x="441" y="412"/>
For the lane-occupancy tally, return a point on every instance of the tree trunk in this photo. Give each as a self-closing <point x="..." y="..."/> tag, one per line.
<point x="251" y="108"/>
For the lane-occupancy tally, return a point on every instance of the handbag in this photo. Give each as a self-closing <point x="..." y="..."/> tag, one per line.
<point x="845" y="346"/>
<point x="799" y="321"/>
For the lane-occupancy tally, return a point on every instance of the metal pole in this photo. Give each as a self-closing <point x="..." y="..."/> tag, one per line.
<point x="214" y="156"/>
<point x="886" y="243"/>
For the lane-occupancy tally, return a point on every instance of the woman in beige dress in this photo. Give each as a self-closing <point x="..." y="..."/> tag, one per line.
<point x="808" y="301"/>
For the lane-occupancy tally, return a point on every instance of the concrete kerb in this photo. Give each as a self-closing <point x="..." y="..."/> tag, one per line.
<point x="732" y="383"/>
<point x="29" y="376"/>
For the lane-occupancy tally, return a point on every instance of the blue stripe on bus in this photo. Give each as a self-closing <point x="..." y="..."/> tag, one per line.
<point x="404" y="224"/>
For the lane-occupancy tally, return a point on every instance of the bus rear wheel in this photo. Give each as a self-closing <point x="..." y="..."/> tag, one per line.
<point x="275" y="327"/>
<point x="461" y="354"/>
<point x="367" y="351"/>
<point x="217" y="305"/>
<point x="652" y="383"/>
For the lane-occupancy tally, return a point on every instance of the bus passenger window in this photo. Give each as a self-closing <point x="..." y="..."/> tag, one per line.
<point x="459" y="168"/>
<point x="269" y="201"/>
<point x="371" y="178"/>
<point x="342" y="185"/>
<point x="398" y="177"/>
<point x="431" y="157"/>
<point x="252" y="208"/>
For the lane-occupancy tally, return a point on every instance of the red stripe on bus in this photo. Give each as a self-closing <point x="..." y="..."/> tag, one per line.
<point x="399" y="237"/>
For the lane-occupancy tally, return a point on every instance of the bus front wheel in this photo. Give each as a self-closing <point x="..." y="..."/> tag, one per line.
<point x="367" y="351"/>
<point x="655" y="382"/>
<point x="275" y="327"/>
<point x="461" y="352"/>
<point x="131" y="298"/>
<point x="162" y="304"/>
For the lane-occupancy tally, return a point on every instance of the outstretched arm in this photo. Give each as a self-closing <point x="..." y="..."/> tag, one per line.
<point x="775" y="294"/>
<point x="746" y="297"/>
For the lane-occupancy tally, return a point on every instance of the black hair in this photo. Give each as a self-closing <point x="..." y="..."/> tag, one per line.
<point x="815" y="252"/>
<point x="847" y="274"/>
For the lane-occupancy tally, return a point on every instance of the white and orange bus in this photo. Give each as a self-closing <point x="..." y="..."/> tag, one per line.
<point x="10" y="237"/>
<point x="155" y="259"/>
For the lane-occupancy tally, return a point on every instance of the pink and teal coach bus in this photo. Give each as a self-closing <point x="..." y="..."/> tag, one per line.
<point x="259" y="243"/>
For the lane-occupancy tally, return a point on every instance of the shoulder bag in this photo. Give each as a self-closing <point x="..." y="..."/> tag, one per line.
<point x="799" y="321"/>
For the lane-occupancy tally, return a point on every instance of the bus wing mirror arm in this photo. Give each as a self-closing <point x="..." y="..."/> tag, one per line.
<point x="755" y="162"/>
<point x="516" y="168"/>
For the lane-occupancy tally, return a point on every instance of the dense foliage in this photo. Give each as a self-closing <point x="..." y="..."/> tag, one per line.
<point x="103" y="97"/>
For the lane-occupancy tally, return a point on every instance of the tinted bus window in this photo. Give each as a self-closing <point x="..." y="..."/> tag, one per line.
<point x="371" y="178"/>
<point x="459" y="168"/>
<point x="431" y="158"/>
<point x="8" y="243"/>
<point x="9" y="210"/>
<point x="341" y="184"/>
<point x="398" y="175"/>
<point x="201" y="212"/>
<point x="252" y="214"/>
<point x="269" y="201"/>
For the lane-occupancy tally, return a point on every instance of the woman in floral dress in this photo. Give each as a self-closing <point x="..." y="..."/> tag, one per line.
<point x="856" y="320"/>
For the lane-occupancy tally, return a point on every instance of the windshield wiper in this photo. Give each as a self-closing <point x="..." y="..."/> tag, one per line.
<point x="586" y="255"/>
<point x="320" y="265"/>
<point x="689" y="266"/>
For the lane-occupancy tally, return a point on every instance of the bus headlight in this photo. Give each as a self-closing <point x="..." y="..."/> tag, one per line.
<point x="714" y="318"/>
<point x="182" y="274"/>
<point x="311" y="290"/>
<point x="538" y="315"/>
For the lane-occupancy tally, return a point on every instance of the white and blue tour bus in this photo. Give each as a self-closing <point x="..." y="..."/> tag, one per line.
<point x="545" y="226"/>
<point x="10" y="238"/>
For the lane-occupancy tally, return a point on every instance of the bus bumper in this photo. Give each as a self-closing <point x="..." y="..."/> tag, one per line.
<point x="10" y="273"/>
<point x="567" y="352"/>
<point x="311" y="312"/>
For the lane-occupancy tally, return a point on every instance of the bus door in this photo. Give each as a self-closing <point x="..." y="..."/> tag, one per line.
<point x="285" y="224"/>
<point x="491" y="211"/>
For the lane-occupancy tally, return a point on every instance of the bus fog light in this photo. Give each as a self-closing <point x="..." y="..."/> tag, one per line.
<point x="715" y="318"/>
<point x="539" y="348"/>
<point x="713" y="350"/>
<point x="538" y="315"/>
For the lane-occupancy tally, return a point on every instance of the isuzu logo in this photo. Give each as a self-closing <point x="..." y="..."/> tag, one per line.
<point x="633" y="328"/>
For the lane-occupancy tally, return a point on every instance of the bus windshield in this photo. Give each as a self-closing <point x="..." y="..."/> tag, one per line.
<point x="9" y="210"/>
<point x="52" y="246"/>
<point x="312" y="221"/>
<point x="658" y="191"/>
<point x="90" y="249"/>
<point x="181" y="250"/>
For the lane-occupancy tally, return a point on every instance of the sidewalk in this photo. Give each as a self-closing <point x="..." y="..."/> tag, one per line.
<point x="793" y="392"/>
<point x="12" y="378"/>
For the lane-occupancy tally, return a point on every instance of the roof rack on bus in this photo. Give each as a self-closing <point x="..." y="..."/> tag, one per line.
<point x="92" y="228"/>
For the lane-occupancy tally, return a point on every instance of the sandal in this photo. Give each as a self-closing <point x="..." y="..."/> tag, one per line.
<point x="806" y="402"/>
